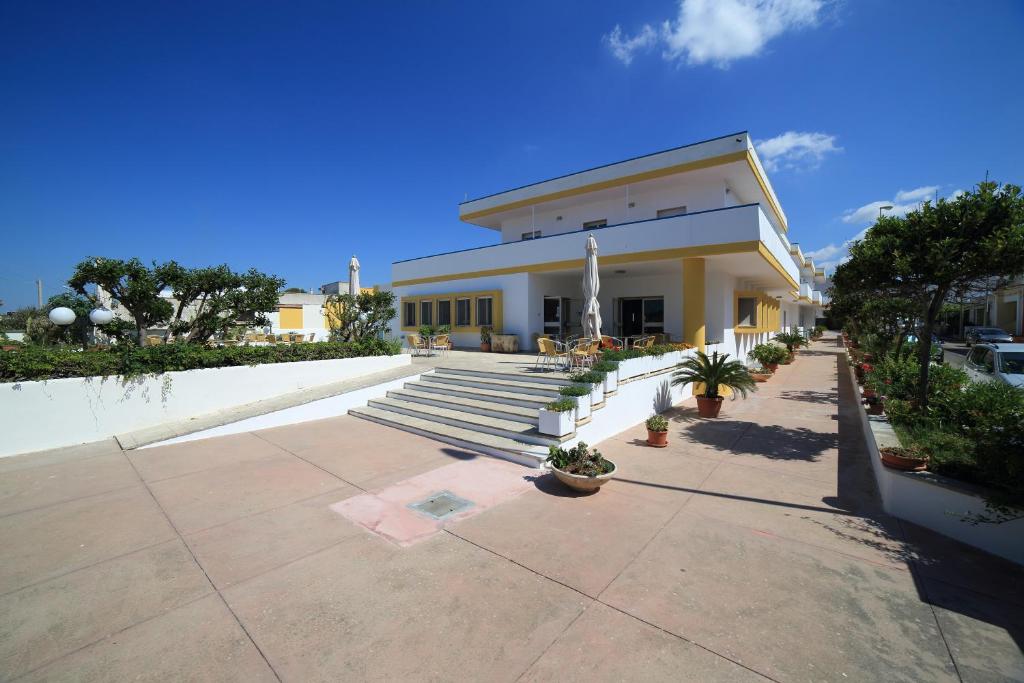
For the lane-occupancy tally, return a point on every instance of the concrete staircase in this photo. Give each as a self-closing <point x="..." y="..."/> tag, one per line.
<point x="487" y="411"/>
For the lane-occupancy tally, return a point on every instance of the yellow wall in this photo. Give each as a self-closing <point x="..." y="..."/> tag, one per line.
<point x="693" y="302"/>
<point x="291" y="318"/>
<point x="768" y="316"/>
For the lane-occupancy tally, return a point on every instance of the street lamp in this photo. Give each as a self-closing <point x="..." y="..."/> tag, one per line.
<point x="887" y="207"/>
<point x="101" y="316"/>
<point x="62" y="315"/>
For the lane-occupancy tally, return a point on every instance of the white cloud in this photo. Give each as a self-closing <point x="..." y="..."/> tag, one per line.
<point x="719" y="31"/>
<point x="903" y="202"/>
<point x="623" y="48"/>
<point x="795" y="150"/>
<point x="918" y="194"/>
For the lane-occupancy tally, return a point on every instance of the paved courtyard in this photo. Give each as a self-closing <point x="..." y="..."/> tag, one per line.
<point x="752" y="548"/>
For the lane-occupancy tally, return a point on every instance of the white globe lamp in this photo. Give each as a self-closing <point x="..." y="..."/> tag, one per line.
<point x="62" y="315"/>
<point x="101" y="316"/>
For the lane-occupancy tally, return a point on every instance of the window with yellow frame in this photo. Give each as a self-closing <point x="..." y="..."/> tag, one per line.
<point x="755" y="312"/>
<point x="466" y="311"/>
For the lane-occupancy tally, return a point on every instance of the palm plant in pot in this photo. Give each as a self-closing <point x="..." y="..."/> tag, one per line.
<point x="579" y="468"/>
<point x="485" y="337"/>
<point x="792" y="339"/>
<point x="712" y="376"/>
<point x="657" y="431"/>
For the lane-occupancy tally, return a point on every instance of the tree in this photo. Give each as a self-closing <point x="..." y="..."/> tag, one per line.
<point x="134" y="285"/>
<point x="366" y="316"/>
<point x="941" y="249"/>
<point x="212" y="300"/>
<point x="17" y="319"/>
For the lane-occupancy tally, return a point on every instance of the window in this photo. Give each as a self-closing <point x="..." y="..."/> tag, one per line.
<point x="988" y="363"/>
<point x="595" y="224"/>
<point x="674" y="211"/>
<point x="1012" y="363"/>
<point x="976" y="356"/>
<point x="483" y="310"/>
<point x="462" y="310"/>
<point x="746" y="311"/>
<point x="531" y="235"/>
<point x="426" y="312"/>
<point x="444" y="312"/>
<point x="409" y="314"/>
<point x="654" y="315"/>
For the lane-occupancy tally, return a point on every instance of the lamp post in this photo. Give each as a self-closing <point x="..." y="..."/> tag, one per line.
<point x="887" y="207"/>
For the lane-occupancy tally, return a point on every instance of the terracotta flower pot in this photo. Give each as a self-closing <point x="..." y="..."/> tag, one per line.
<point x="869" y="393"/>
<point x="485" y="347"/>
<point x="709" y="407"/>
<point x="761" y="376"/>
<point x="773" y="367"/>
<point x="892" y="458"/>
<point x="657" y="439"/>
<point x="875" y="408"/>
<point x="578" y="482"/>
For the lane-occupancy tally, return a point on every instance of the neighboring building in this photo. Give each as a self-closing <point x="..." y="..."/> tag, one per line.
<point x="302" y="313"/>
<point x="334" y="288"/>
<point x="1002" y="307"/>
<point x="692" y="244"/>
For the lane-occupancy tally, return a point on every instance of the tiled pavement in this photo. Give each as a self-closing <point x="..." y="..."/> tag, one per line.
<point x="752" y="548"/>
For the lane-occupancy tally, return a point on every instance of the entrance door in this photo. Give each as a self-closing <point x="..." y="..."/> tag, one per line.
<point x="632" y="317"/>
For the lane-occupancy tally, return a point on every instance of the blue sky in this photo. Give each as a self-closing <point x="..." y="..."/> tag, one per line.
<point x="288" y="136"/>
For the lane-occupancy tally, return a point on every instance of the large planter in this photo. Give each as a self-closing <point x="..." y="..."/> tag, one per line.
<point x="611" y="382"/>
<point x="898" y="462"/>
<point x="582" y="407"/>
<point x="657" y="439"/>
<point x="772" y="367"/>
<point x="761" y="376"/>
<point x="578" y="482"/>
<point x="556" y="423"/>
<point x="709" y="407"/>
<point x="596" y="394"/>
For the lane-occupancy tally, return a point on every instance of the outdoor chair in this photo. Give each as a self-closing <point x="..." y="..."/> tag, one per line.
<point x="550" y="352"/>
<point x="154" y="341"/>
<point x="272" y="338"/>
<point x="585" y="351"/>
<point x="440" y="344"/>
<point x="312" y="336"/>
<point x="416" y="343"/>
<point x="611" y="343"/>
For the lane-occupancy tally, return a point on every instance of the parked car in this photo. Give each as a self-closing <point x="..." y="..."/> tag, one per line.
<point x="936" y="350"/>
<point x="996" y="363"/>
<point x="982" y="335"/>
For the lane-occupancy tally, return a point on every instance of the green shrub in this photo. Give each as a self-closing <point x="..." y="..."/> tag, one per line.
<point x="626" y="354"/>
<point x="657" y="423"/>
<point x="589" y="377"/>
<point x="767" y="354"/>
<point x="562" y="405"/>
<point x="41" y="363"/>
<point x="606" y="366"/>
<point x="575" y="390"/>
<point x="792" y="339"/>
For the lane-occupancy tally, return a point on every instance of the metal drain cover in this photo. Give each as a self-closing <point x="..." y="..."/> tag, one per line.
<point x="441" y="504"/>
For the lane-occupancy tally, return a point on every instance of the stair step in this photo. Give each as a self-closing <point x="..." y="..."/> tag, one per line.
<point x="459" y="418"/>
<point x="478" y="405"/>
<point x="517" y="386"/>
<point x="540" y="376"/>
<point x="499" y="446"/>
<point x="491" y="395"/>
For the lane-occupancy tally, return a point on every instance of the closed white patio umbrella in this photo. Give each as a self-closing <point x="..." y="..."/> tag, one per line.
<point x="591" y="286"/>
<point x="353" y="276"/>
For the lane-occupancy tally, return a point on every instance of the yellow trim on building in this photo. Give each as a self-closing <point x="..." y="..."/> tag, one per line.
<point x="474" y="327"/>
<point x="766" y="253"/>
<point x="767" y="194"/>
<point x="693" y="302"/>
<point x="768" y="312"/>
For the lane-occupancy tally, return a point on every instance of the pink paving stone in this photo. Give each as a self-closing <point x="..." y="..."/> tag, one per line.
<point x="484" y="481"/>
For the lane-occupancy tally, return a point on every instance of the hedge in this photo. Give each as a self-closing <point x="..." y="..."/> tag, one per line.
<point x="33" y="362"/>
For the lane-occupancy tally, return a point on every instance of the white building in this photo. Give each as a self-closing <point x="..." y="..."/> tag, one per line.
<point x="692" y="244"/>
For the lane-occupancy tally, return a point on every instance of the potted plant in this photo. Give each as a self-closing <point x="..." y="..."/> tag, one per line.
<point x="426" y="331"/>
<point x="595" y="380"/>
<point x="485" y="337"/>
<point x="792" y="339"/>
<point x="906" y="459"/>
<point x="768" y="355"/>
<point x="557" y="418"/>
<point x="579" y="468"/>
<point x="611" y="375"/>
<point x="713" y="373"/>
<point x="580" y="395"/>
<point x="657" y="431"/>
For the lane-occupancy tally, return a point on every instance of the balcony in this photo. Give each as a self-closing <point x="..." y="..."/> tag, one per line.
<point x="741" y="238"/>
<point x="816" y="297"/>
<point x="805" y="292"/>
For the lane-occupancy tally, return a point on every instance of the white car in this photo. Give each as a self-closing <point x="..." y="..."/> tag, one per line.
<point x="996" y="363"/>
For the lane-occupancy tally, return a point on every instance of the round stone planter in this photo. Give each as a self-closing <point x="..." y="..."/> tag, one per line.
<point x="578" y="482"/>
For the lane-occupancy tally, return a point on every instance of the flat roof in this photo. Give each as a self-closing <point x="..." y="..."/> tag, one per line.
<point x="737" y="147"/>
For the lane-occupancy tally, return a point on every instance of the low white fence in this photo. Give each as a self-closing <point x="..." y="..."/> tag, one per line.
<point x="62" y="412"/>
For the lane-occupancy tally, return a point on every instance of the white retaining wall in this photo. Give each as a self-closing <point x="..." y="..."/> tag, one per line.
<point x="62" y="412"/>
<point x="941" y="505"/>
